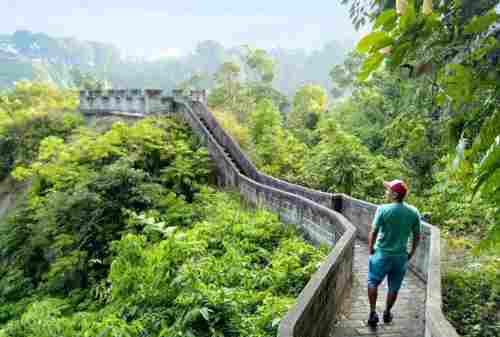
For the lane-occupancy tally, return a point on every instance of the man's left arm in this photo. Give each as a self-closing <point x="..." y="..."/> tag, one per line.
<point x="417" y="228"/>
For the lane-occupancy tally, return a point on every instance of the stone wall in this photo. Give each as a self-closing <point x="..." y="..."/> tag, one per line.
<point x="223" y="138"/>
<point x="134" y="102"/>
<point x="226" y="141"/>
<point x="322" y="298"/>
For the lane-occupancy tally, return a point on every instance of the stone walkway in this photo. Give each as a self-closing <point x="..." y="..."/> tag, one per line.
<point x="409" y="311"/>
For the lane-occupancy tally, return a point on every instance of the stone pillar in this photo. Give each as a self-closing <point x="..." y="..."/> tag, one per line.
<point x="152" y="103"/>
<point x="167" y="105"/>
<point x="134" y="101"/>
<point x="204" y="97"/>
<point x="106" y="103"/>
<point x="178" y="93"/>
<point x="111" y="104"/>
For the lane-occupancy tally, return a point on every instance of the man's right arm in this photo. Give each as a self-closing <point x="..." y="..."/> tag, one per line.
<point x="372" y="236"/>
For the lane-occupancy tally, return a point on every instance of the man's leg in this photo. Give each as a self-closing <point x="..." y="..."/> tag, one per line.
<point x="391" y="299"/>
<point x="376" y="274"/>
<point x="372" y="298"/>
<point x="394" y="280"/>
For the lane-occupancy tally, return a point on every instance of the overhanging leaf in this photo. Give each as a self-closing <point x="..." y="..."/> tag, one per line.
<point x="370" y="65"/>
<point x="374" y="41"/>
<point x="387" y="20"/>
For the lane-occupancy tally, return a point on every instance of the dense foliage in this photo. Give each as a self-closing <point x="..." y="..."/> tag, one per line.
<point x="453" y="46"/>
<point x="305" y="145"/>
<point x="29" y="113"/>
<point x="472" y="297"/>
<point x="120" y="235"/>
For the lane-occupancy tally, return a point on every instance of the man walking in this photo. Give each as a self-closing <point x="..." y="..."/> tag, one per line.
<point x="387" y="243"/>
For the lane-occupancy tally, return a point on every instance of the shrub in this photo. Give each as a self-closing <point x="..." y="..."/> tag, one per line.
<point x="472" y="299"/>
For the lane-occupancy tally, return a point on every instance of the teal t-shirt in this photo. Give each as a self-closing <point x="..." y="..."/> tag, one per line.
<point x="395" y="222"/>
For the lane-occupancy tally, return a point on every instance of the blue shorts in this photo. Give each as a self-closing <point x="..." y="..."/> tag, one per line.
<point x="394" y="267"/>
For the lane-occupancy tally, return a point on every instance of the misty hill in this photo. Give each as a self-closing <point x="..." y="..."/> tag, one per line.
<point x="27" y="55"/>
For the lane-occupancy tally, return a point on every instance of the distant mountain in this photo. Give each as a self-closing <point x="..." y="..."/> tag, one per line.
<point x="27" y="55"/>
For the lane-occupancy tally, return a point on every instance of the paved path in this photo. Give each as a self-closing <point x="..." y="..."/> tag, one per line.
<point x="408" y="312"/>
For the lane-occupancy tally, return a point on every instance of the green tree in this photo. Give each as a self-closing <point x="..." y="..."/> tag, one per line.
<point x="455" y="44"/>
<point x="259" y="61"/>
<point x="277" y="151"/>
<point x="309" y="104"/>
<point x="264" y="120"/>
<point x="340" y="163"/>
<point x="344" y="75"/>
<point x="228" y="85"/>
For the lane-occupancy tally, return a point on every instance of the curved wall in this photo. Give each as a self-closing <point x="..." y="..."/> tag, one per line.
<point x="427" y="261"/>
<point x="322" y="298"/>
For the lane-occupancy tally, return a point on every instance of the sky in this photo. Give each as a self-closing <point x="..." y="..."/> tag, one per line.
<point x="149" y="28"/>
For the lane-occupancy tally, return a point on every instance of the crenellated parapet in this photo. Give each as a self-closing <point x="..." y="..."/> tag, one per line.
<point x="135" y="102"/>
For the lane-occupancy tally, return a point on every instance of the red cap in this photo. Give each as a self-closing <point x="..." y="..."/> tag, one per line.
<point x="397" y="186"/>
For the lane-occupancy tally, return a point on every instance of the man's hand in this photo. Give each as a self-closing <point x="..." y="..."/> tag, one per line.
<point x="372" y="238"/>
